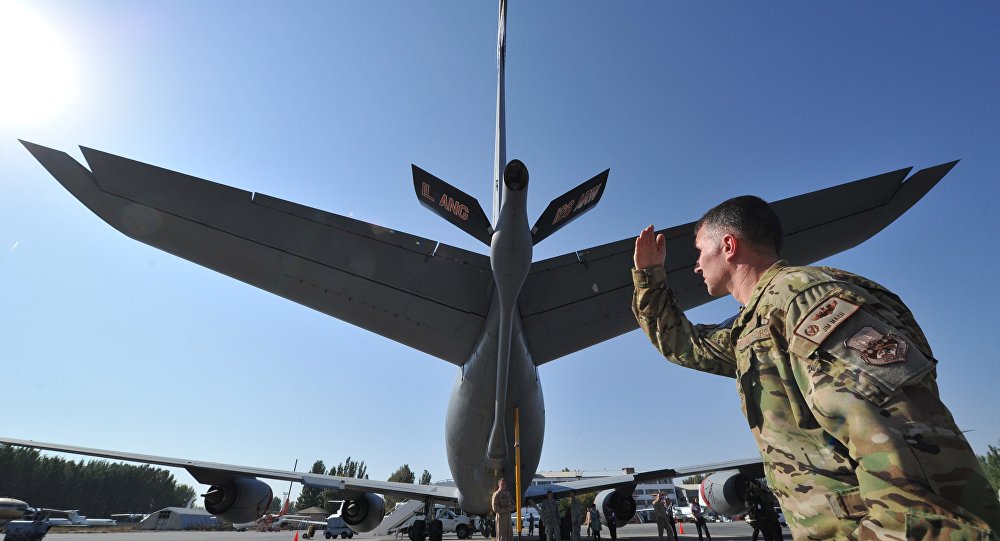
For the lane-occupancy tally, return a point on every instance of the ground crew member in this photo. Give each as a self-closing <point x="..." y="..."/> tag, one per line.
<point x="550" y="517"/>
<point x="670" y="516"/>
<point x="660" y="515"/>
<point x="837" y="381"/>
<point x="576" y="517"/>
<point x="503" y="506"/>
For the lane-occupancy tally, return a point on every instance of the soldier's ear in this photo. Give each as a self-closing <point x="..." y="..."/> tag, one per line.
<point x="729" y="245"/>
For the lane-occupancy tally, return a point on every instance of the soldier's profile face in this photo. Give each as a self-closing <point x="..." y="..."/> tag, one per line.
<point x="711" y="264"/>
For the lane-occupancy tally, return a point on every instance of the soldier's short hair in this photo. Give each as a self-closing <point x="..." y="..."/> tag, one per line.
<point x="749" y="218"/>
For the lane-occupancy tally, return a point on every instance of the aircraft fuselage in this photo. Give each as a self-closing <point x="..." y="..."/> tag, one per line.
<point x="499" y="376"/>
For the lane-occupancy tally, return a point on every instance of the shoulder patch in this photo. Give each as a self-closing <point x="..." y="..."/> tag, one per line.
<point x="877" y="348"/>
<point x="825" y="318"/>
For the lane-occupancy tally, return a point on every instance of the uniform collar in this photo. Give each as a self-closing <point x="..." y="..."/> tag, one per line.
<point x="765" y="280"/>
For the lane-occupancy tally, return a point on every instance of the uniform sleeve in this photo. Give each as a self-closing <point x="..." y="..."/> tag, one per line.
<point x="702" y="347"/>
<point x="868" y="380"/>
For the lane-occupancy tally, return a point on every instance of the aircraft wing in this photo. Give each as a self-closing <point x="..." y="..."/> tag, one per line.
<point x="576" y="300"/>
<point x="751" y="467"/>
<point x="429" y="296"/>
<point x="211" y="473"/>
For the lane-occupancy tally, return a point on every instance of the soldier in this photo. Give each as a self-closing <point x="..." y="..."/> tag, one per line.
<point x="660" y="514"/>
<point x="576" y="517"/>
<point x="503" y="506"/>
<point x="550" y="517"/>
<point x="837" y="383"/>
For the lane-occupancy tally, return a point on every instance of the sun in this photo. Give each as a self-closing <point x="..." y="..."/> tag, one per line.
<point x="37" y="74"/>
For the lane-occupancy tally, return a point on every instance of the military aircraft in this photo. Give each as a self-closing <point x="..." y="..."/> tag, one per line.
<point x="496" y="317"/>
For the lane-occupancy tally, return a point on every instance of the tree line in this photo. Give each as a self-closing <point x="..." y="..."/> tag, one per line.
<point x="315" y="497"/>
<point x="97" y="488"/>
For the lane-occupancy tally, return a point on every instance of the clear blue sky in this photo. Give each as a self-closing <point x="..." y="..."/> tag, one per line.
<point x="109" y="343"/>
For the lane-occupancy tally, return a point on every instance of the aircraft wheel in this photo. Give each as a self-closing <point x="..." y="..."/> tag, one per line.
<point x="462" y="531"/>
<point x="417" y="530"/>
<point x="436" y="530"/>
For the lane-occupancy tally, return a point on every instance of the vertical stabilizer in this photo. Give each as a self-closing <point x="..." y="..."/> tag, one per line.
<point x="500" y="147"/>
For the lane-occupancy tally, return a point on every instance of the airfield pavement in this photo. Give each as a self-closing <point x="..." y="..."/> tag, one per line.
<point x="730" y="531"/>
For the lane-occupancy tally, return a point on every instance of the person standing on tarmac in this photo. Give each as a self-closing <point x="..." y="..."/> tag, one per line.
<point x="550" y="517"/>
<point x="576" y="517"/>
<point x="503" y="506"/>
<point x="670" y="516"/>
<point x="595" y="521"/>
<point x="660" y="515"/>
<point x="699" y="520"/>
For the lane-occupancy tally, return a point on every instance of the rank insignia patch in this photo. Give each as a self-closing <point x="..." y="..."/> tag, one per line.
<point x="825" y="318"/>
<point x="877" y="348"/>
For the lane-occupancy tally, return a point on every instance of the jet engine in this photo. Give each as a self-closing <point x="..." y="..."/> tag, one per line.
<point x="364" y="513"/>
<point x="725" y="492"/>
<point x="243" y="499"/>
<point x="618" y="500"/>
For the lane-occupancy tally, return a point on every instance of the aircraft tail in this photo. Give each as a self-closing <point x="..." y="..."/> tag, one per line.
<point x="568" y="206"/>
<point x="452" y="204"/>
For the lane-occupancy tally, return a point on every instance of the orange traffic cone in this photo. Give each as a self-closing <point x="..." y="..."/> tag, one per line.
<point x="680" y="527"/>
<point x="296" y="535"/>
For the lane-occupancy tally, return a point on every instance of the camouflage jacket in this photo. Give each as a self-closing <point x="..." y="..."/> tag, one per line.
<point x="837" y="383"/>
<point x="576" y="511"/>
<point x="550" y="514"/>
<point x="502" y="503"/>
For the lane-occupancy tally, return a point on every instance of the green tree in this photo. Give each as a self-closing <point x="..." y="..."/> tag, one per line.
<point x="425" y="478"/>
<point x="347" y="468"/>
<point x="694" y="479"/>
<point x="403" y="474"/>
<point x="585" y="499"/>
<point x="312" y="497"/>
<point x="96" y="487"/>
<point x="991" y="465"/>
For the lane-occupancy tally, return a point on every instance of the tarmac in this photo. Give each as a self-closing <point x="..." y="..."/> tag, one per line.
<point x="729" y="531"/>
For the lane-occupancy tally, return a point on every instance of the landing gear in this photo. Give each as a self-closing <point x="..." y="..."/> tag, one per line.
<point x="417" y="530"/>
<point x="436" y="530"/>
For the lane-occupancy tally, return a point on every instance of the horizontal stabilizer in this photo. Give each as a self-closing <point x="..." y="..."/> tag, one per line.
<point x="576" y="300"/>
<point x="452" y="204"/>
<point x="418" y="292"/>
<point x="568" y="206"/>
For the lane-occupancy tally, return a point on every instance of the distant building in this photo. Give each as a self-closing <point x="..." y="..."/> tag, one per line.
<point x="178" y="518"/>
<point x="314" y="513"/>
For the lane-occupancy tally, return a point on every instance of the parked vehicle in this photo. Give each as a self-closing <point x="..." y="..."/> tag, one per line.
<point x="336" y="526"/>
<point x="452" y="521"/>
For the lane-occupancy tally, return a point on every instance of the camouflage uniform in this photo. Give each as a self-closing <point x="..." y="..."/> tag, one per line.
<point x="660" y="514"/>
<point x="550" y="518"/>
<point x="576" y="518"/>
<point x="838" y="385"/>
<point x="503" y="506"/>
